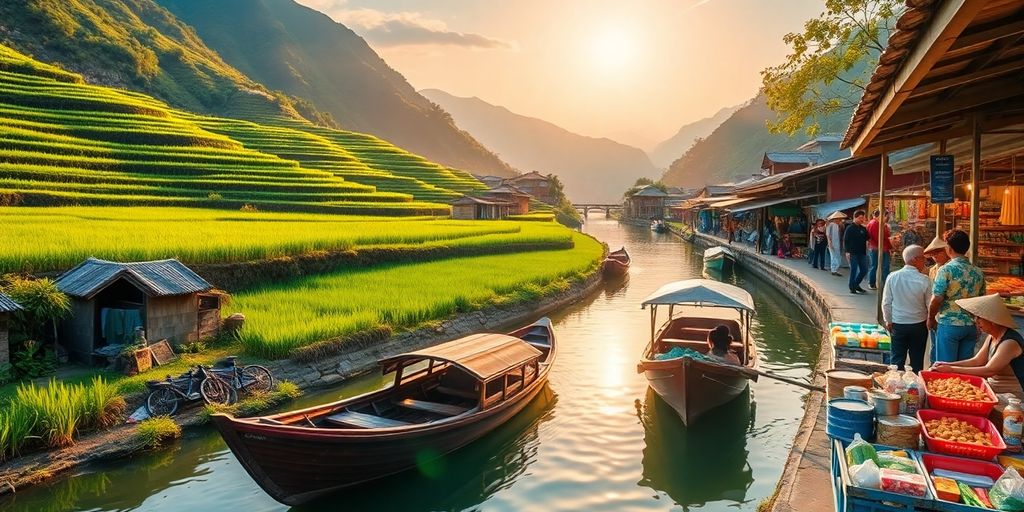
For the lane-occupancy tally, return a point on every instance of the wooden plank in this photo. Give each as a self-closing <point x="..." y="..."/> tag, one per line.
<point x="434" y="407"/>
<point x="162" y="352"/>
<point x="457" y="392"/>
<point x="361" y="420"/>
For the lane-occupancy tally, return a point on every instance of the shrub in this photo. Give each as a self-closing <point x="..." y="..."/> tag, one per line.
<point x="153" y="432"/>
<point x="32" y="361"/>
<point x="16" y="425"/>
<point x="248" y="208"/>
<point x="213" y="196"/>
<point x="104" y="406"/>
<point x="59" y="408"/>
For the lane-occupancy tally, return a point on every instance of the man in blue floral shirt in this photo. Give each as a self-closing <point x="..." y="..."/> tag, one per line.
<point x="956" y="334"/>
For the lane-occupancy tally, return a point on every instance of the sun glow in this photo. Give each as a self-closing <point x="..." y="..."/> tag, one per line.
<point x="612" y="48"/>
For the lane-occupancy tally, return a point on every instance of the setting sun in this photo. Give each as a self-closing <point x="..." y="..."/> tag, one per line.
<point x="612" y="48"/>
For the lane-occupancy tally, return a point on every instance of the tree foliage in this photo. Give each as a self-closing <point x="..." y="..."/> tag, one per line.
<point x="829" y="63"/>
<point x="42" y="304"/>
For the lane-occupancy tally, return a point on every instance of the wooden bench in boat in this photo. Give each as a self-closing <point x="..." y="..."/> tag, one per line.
<point x="362" y="420"/>
<point x="434" y="407"/>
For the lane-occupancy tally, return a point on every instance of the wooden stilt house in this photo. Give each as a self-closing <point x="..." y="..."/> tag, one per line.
<point x="110" y="300"/>
<point x="7" y="306"/>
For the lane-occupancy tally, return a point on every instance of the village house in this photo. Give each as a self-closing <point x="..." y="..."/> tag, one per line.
<point x="535" y="184"/>
<point x="478" y="208"/>
<point x="490" y="181"/>
<point x="817" y="151"/>
<point x="647" y="202"/>
<point x="519" y="200"/>
<point x="110" y="300"/>
<point x="7" y="306"/>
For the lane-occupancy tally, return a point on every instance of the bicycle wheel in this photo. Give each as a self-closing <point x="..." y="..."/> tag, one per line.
<point x="216" y="391"/>
<point x="257" y="379"/>
<point x="162" y="401"/>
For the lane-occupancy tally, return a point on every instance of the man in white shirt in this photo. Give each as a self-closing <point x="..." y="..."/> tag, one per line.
<point x="834" y="237"/>
<point x="905" y="308"/>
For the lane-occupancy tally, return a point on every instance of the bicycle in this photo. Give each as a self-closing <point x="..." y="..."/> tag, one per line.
<point x="251" y="378"/>
<point x="167" y="395"/>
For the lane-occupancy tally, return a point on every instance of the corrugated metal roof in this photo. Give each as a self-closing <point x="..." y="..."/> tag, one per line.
<point x="483" y="355"/>
<point x="155" y="278"/>
<point x="7" y="304"/>
<point x="793" y="157"/>
<point x="650" y="191"/>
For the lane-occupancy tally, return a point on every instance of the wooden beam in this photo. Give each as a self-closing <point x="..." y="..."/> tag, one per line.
<point x="941" y="31"/>
<point x="966" y="99"/>
<point x="975" y="186"/>
<point x="1001" y="29"/>
<point x="956" y="81"/>
<point x="879" y="283"/>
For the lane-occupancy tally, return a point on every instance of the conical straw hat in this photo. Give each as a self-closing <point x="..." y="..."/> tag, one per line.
<point x="837" y="215"/>
<point x="938" y="244"/>
<point x="989" y="307"/>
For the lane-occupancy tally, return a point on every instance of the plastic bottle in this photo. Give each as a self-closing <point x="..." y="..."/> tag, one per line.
<point x="1013" y="420"/>
<point x="910" y="396"/>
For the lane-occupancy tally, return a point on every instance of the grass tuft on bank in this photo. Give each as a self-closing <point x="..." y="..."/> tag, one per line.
<point x="154" y="432"/>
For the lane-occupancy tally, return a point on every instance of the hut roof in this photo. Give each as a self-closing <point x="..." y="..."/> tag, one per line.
<point x="7" y="304"/>
<point x="155" y="278"/>
<point x="532" y="175"/>
<point x="650" y="191"/>
<point x="507" y="189"/>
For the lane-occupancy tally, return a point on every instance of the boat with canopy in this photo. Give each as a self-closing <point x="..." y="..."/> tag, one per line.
<point x="677" y="361"/>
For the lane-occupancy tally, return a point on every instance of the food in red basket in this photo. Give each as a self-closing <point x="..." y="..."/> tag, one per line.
<point x="957" y="389"/>
<point x="952" y="429"/>
<point x="902" y="483"/>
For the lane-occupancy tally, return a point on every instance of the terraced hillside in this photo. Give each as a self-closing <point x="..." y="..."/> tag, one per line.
<point x="66" y="142"/>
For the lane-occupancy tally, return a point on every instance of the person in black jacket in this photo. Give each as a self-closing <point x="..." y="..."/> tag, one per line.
<point x="855" y="239"/>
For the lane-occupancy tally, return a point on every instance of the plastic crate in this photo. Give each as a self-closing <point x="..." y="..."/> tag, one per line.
<point x="930" y="461"/>
<point x="862" y="354"/>
<point x="973" y="451"/>
<point x="960" y="406"/>
<point x="850" y="498"/>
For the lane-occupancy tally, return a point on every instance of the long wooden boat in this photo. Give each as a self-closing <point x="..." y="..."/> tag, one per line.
<point x="616" y="264"/>
<point x="719" y="258"/>
<point x="443" y="398"/>
<point x="693" y="386"/>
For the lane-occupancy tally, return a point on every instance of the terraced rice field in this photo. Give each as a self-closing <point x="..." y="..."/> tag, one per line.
<point x="282" y="317"/>
<point x="64" y="142"/>
<point x="57" y="238"/>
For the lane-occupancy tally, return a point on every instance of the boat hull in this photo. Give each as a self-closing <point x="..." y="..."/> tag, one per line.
<point x="719" y="258"/>
<point x="692" y="388"/>
<point x="296" y="468"/>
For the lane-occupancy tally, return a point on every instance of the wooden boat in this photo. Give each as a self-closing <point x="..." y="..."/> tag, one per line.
<point x="616" y="264"/>
<point x="695" y="307"/>
<point x="443" y="398"/>
<point x="719" y="258"/>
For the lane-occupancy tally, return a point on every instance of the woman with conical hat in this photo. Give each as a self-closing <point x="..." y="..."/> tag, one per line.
<point x="1003" y="347"/>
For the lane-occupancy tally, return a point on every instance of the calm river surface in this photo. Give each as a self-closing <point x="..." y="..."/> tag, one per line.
<point x="597" y="440"/>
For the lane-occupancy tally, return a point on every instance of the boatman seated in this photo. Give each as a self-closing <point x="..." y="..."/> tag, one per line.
<point x="718" y="344"/>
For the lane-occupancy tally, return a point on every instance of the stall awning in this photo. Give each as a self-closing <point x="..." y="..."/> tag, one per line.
<point x="730" y="202"/>
<point x="825" y="209"/>
<point x="753" y="205"/>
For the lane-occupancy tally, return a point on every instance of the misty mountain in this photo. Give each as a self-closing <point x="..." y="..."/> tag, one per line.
<point x="303" y="52"/>
<point x="592" y="169"/>
<point x="670" y="149"/>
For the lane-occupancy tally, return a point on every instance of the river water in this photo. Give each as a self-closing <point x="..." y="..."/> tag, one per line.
<point x="598" y="439"/>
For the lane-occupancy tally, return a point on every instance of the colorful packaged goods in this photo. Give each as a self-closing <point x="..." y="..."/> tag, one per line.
<point x="1014" y="462"/>
<point x="1008" y="492"/>
<point x="946" y="489"/>
<point x="900" y="482"/>
<point x="895" y="461"/>
<point x="860" y="451"/>
<point x="868" y="336"/>
<point x="1013" y="424"/>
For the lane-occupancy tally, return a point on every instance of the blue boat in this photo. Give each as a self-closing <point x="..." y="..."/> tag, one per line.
<point x="719" y="258"/>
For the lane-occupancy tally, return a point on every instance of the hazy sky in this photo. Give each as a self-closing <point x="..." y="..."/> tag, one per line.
<point x="631" y="71"/>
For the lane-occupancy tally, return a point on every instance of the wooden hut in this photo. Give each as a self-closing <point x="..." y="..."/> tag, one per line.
<point x="518" y="200"/>
<point x="646" y="203"/>
<point x="7" y="306"/>
<point x="535" y="184"/>
<point x="476" y="208"/>
<point x="110" y="300"/>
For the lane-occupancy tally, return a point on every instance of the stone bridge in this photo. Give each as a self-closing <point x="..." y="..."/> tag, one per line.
<point x="586" y="207"/>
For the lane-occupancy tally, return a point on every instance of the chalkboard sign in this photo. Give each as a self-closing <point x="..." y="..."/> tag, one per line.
<point x="941" y="179"/>
<point x="162" y="353"/>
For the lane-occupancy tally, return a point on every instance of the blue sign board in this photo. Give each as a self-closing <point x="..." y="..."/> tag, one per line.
<point x="942" y="179"/>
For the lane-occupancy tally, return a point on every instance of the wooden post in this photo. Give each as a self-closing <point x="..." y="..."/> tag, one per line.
<point x="759" y="241"/>
<point x="884" y="159"/>
<point x="975" y="186"/>
<point x="940" y="215"/>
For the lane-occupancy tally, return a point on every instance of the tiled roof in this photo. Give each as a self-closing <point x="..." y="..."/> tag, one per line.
<point x="7" y="304"/>
<point x="155" y="278"/>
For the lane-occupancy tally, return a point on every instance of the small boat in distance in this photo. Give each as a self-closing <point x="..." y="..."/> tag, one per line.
<point x="616" y="264"/>
<point x="694" y="385"/>
<point x="719" y="258"/>
<point x="659" y="226"/>
<point x="443" y="398"/>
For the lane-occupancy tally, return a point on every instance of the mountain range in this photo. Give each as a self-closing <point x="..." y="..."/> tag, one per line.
<point x="592" y="169"/>
<point x="244" y="59"/>
<point x="670" y="149"/>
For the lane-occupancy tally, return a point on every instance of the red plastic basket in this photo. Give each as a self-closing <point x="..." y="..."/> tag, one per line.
<point x="973" y="451"/>
<point x="932" y="462"/>
<point x="960" y="406"/>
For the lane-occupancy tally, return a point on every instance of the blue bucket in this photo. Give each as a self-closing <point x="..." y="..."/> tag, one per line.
<point x="846" y="434"/>
<point x="850" y="411"/>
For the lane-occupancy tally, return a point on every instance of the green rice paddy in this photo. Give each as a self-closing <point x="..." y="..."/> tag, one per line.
<point x="282" y="317"/>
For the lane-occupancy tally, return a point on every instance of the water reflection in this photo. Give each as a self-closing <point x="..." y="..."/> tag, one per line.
<point x="463" y="479"/>
<point x="718" y="442"/>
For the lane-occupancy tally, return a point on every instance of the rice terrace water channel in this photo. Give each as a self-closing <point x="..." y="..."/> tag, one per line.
<point x="597" y="439"/>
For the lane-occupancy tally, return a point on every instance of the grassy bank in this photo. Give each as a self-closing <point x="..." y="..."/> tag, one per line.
<point x="47" y="239"/>
<point x="285" y="316"/>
